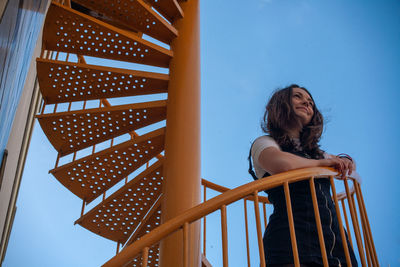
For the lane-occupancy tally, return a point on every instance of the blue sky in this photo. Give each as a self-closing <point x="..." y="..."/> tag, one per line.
<point x="345" y="52"/>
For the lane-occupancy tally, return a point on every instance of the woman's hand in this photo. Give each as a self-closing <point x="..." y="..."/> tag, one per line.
<point x="343" y="165"/>
<point x="349" y="164"/>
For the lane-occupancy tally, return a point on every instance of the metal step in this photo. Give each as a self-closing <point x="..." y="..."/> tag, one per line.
<point x="133" y="14"/>
<point x="149" y="222"/>
<point x="74" y="130"/>
<point x="61" y="82"/>
<point x="119" y="215"/>
<point x="91" y="176"/>
<point x="152" y="258"/>
<point x="70" y="31"/>
<point x="170" y="9"/>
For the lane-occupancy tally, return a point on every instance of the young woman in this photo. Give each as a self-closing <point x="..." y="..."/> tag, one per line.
<point x="294" y="126"/>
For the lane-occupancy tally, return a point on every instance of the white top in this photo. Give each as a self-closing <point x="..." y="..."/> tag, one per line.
<point x="259" y="145"/>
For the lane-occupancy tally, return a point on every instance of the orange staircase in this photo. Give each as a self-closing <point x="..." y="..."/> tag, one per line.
<point x="104" y="159"/>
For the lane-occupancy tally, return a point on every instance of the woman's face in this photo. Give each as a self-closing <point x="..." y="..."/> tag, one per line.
<point x="303" y="105"/>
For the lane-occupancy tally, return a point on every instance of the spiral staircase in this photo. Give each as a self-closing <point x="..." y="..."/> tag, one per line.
<point x="98" y="145"/>
<point x="120" y="132"/>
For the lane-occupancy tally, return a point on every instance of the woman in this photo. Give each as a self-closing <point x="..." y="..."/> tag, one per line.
<point x="294" y="127"/>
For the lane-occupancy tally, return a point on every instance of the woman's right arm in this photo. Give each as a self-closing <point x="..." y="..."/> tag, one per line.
<point x="275" y="161"/>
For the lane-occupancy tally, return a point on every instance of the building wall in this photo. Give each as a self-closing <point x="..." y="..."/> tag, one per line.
<point x="19" y="29"/>
<point x="20" y="26"/>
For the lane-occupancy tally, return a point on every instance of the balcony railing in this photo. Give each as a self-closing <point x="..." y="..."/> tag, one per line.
<point x="351" y="198"/>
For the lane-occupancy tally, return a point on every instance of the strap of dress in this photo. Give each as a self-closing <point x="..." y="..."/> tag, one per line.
<point x="252" y="173"/>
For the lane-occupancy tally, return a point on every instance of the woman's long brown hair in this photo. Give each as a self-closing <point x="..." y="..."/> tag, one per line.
<point x="279" y="117"/>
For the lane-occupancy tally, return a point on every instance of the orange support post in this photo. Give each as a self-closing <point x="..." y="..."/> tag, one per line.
<point x="182" y="145"/>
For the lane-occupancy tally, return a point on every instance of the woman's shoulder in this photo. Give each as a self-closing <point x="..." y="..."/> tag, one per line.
<point x="265" y="139"/>
<point x="262" y="142"/>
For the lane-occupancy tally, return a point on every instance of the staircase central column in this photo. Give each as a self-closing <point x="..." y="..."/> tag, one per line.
<point x="182" y="145"/>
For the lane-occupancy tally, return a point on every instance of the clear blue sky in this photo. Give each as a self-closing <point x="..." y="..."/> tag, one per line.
<point x="345" y="52"/>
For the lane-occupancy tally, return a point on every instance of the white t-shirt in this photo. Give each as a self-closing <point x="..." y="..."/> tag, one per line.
<point x="259" y="145"/>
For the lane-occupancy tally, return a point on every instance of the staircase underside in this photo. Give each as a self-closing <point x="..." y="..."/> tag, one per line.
<point x="109" y="155"/>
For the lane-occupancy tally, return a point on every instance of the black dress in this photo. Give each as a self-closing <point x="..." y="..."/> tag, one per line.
<point x="277" y="242"/>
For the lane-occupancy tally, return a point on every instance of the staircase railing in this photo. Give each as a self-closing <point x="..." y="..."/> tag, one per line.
<point x="137" y="252"/>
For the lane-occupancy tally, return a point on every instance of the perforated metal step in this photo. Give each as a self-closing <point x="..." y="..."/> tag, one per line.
<point x="67" y="30"/>
<point x="134" y="14"/>
<point x="170" y="9"/>
<point x="149" y="222"/>
<point x="74" y="130"/>
<point x="120" y="214"/>
<point x="90" y="176"/>
<point x="67" y="82"/>
<point x="152" y="259"/>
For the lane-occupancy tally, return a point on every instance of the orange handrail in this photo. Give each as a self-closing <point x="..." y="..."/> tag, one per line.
<point x="242" y="192"/>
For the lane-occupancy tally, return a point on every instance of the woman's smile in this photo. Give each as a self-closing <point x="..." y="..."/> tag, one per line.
<point x="304" y="109"/>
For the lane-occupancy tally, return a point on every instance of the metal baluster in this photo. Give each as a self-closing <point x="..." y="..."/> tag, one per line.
<point x="224" y="236"/>
<point x="265" y="214"/>
<point x="318" y="223"/>
<point x="355" y="224"/>
<point x="204" y="222"/>
<point x="259" y="231"/>
<point x="368" y="225"/>
<point x="291" y="225"/>
<point x="145" y="256"/>
<point x="186" y="244"/>
<point x="347" y="222"/>
<point x="247" y="232"/>
<point x="339" y="217"/>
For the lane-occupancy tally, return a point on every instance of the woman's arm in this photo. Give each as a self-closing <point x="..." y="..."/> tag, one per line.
<point x="275" y="161"/>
